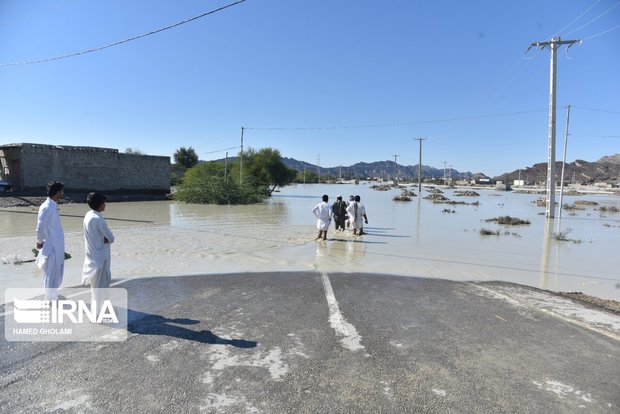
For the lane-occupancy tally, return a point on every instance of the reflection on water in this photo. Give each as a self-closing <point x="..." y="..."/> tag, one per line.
<point x="417" y="238"/>
<point x="546" y="251"/>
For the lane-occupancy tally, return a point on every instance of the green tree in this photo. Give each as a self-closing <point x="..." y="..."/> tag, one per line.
<point x="266" y="169"/>
<point x="216" y="183"/>
<point x="206" y="184"/>
<point x="309" y="176"/>
<point x="186" y="157"/>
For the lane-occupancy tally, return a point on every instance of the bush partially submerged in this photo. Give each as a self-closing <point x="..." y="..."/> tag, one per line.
<point x="487" y="232"/>
<point x="217" y="190"/>
<point x="511" y="221"/>
<point x="563" y="236"/>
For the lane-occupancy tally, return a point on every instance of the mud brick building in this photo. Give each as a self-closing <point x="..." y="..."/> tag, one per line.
<point x="31" y="166"/>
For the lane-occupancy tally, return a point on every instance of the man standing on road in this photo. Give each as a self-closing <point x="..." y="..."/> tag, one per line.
<point x="357" y="216"/>
<point x="97" y="240"/>
<point x="323" y="213"/>
<point x="51" y="241"/>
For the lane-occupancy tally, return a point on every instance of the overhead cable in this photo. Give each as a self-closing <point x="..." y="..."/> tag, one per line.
<point x="602" y="33"/>
<point x="596" y="110"/>
<point x="225" y="149"/>
<point x="395" y="124"/>
<point x="559" y="32"/>
<point x="96" y="49"/>
<point x="594" y="19"/>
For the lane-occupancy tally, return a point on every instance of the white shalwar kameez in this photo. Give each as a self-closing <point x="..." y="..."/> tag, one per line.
<point x="96" y="270"/>
<point x="51" y="257"/>
<point x="356" y="212"/>
<point x="323" y="213"/>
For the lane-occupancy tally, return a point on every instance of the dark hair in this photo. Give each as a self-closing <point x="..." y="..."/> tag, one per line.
<point x="54" y="187"/>
<point x="95" y="200"/>
<point x="325" y="197"/>
<point x="357" y="198"/>
<point x="339" y="198"/>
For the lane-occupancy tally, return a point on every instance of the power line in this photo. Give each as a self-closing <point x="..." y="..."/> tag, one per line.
<point x="96" y="49"/>
<point x="594" y="19"/>
<point x="225" y="149"/>
<point x="559" y="32"/>
<point x="602" y="33"/>
<point x="396" y="124"/>
<point x="596" y="110"/>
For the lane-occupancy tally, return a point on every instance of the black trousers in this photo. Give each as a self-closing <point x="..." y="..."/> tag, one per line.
<point x="339" y="221"/>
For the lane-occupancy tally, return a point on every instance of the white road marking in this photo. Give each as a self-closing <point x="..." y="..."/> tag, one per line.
<point x="351" y="339"/>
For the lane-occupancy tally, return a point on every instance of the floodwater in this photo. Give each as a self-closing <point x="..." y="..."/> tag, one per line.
<point x="418" y="238"/>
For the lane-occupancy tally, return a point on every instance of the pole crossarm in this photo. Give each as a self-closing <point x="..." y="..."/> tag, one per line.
<point x="555" y="42"/>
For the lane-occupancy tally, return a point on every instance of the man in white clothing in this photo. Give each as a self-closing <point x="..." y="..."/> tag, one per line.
<point x="323" y="213"/>
<point x="51" y="241"/>
<point x="97" y="240"/>
<point x="357" y="215"/>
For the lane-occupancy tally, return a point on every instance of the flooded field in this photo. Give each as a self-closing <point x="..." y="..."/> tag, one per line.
<point x="417" y="238"/>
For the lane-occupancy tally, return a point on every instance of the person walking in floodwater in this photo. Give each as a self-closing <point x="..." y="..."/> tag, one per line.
<point x="339" y="209"/>
<point x="51" y="241"/>
<point x="357" y="216"/>
<point x="323" y="213"/>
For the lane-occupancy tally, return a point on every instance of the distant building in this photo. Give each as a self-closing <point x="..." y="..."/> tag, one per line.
<point x="482" y="181"/>
<point x="31" y="166"/>
<point x="518" y="183"/>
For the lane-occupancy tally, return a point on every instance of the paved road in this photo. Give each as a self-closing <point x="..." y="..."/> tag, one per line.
<point x="317" y="343"/>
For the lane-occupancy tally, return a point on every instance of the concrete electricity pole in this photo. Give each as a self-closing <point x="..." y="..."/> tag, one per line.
<point x="241" y="159"/>
<point x="396" y="164"/>
<point x="553" y="45"/>
<point x="420" y="139"/>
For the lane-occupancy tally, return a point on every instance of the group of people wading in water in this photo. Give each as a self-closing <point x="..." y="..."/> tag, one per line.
<point x="349" y="214"/>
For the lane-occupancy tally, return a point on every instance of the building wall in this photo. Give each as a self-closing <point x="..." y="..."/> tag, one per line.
<point x="89" y="168"/>
<point x="144" y="172"/>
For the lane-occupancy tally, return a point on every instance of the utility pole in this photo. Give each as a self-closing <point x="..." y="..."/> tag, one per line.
<point x="396" y="164"/>
<point x="241" y="159"/>
<point x="420" y="139"/>
<point x="563" y="166"/>
<point x="318" y="168"/>
<point x="553" y="45"/>
<point x="226" y="167"/>
<point x="445" y="172"/>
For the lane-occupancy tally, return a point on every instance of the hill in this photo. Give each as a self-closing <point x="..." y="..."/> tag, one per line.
<point x="605" y="170"/>
<point x="378" y="169"/>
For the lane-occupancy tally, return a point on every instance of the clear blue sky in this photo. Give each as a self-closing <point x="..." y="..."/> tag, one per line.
<point x="342" y="81"/>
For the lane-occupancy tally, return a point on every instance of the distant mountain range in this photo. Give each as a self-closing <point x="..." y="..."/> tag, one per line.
<point x="606" y="169"/>
<point x="377" y="169"/>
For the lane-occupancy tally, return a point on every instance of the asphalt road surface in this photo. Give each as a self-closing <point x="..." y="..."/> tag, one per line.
<point x="327" y="343"/>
